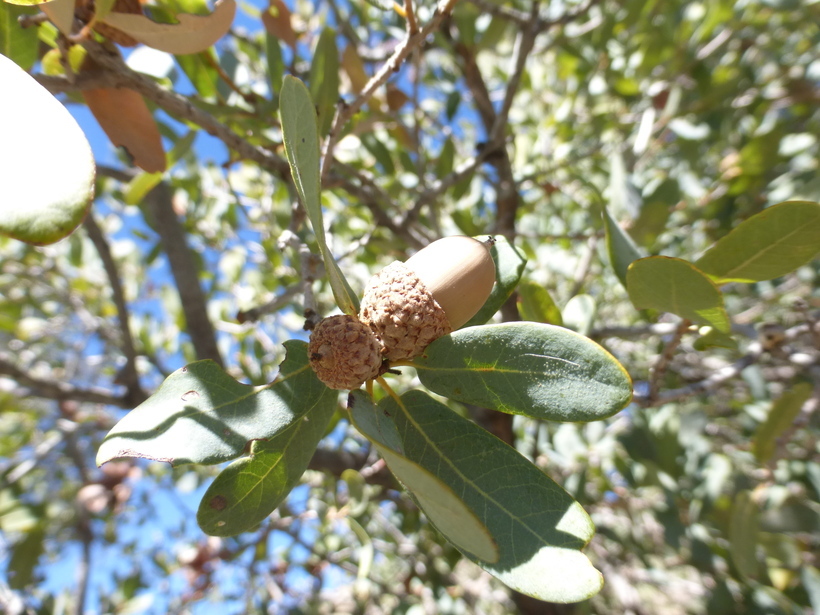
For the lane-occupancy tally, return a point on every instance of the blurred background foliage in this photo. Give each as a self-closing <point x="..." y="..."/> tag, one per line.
<point x="519" y="118"/>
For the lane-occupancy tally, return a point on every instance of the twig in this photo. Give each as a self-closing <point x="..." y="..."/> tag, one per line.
<point x="115" y="73"/>
<point x="410" y="15"/>
<point x="59" y="390"/>
<point x="129" y="375"/>
<point x="665" y="357"/>
<point x="583" y="267"/>
<point x="345" y="112"/>
<point x="274" y="305"/>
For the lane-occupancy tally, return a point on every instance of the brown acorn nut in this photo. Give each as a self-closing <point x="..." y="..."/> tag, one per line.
<point x="435" y="292"/>
<point x="344" y="352"/>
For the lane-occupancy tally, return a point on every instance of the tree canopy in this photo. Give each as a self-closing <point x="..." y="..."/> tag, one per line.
<point x="629" y="423"/>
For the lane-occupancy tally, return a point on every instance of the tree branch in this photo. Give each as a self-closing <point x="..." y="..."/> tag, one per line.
<point x="185" y="272"/>
<point x="59" y="390"/>
<point x="346" y="111"/>
<point x="128" y="376"/>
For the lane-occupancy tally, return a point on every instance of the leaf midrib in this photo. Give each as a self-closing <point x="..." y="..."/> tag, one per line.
<point x="438" y="451"/>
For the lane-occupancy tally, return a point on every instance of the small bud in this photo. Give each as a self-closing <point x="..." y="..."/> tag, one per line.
<point x="344" y="353"/>
<point x="436" y="291"/>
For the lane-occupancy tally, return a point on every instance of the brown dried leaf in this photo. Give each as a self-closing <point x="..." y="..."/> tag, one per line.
<point x="127" y="121"/>
<point x="60" y="13"/>
<point x="193" y="33"/>
<point x="277" y="22"/>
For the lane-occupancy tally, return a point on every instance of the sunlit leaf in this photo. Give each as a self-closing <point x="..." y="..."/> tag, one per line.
<point x="301" y="135"/>
<point x="193" y="33"/>
<point x="509" y="266"/>
<point x="249" y="489"/>
<point x="676" y="286"/>
<point x="126" y="119"/>
<point x="533" y="369"/>
<point x="507" y="508"/>
<point x="768" y="245"/>
<point x="17" y="43"/>
<point x="202" y="415"/>
<point x="45" y="191"/>
<point x="536" y="304"/>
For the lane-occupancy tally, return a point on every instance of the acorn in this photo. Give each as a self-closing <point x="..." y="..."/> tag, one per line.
<point x="435" y="292"/>
<point x="344" y="352"/>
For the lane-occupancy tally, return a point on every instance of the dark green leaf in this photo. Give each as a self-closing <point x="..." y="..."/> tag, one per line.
<point x="676" y="286"/>
<point x="380" y="153"/>
<point x="249" y="489"/>
<point x="276" y="65"/>
<point x="768" y="245"/>
<point x="743" y="530"/>
<point x="24" y="557"/>
<point x="537" y="370"/>
<point x="536" y="529"/>
<point x="536" y="304"/>
<point x="301" y="136"/>
<point x="324" y="79"/>
<point x="781" y="416"/>
<point x="202" y="415"/>
<point x="620" y="247"/>
<point x="509" y="266"/>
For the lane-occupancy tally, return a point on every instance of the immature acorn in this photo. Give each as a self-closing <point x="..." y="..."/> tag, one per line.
<point x="435" y="292"/>
<point x="344" y="353"/>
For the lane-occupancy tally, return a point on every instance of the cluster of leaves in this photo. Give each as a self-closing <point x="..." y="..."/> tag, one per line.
<point x="682" y="120"/>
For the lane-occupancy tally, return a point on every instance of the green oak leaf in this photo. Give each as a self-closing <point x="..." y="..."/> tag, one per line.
<point x="249" y="489"/>
<point x="536" y="529"/>
<point x="620" y="247"/>
<point x="768" y="245"/>
<point x="537" y="370"/>
<point x="202" y="415"/>
<point x="324" y="78"/>
<point x="676" y="286"/>
<point x="509" y="266"/>
<point x="300" y="132"/>
<point x="536" y="304"/>
<point x="48" y="174"/>
<point x="780" y="418"/>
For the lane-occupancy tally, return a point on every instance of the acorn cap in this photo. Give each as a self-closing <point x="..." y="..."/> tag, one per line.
<point x="459" y="272"/>
<point x="402" y="312"/>
<point x="344" y="353"/>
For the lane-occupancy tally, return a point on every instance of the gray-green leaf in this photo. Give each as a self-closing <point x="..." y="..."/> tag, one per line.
<point x="202" y="415"/>
<point x="301" y="135"/>
<point x="537" y="370"/>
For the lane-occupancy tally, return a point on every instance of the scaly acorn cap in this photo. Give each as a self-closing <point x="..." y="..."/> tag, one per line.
<point x="436" y="291"/>
<point x="344" y="352"/>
